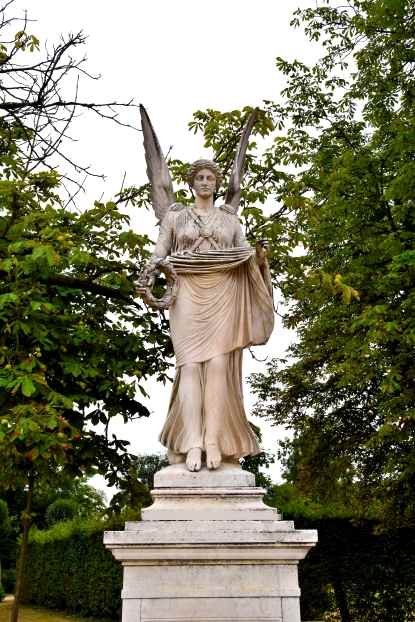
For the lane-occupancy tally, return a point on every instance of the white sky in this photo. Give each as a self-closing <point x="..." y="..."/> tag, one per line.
<point x="175" y="57"/>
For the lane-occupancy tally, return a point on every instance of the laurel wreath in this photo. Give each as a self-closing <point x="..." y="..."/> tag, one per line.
<point x="148" y="278"/>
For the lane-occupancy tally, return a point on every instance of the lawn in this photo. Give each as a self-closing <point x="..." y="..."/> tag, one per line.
<point x="36" y="614"/>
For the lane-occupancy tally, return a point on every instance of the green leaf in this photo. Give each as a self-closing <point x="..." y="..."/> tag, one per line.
<point x="28" y="387"/>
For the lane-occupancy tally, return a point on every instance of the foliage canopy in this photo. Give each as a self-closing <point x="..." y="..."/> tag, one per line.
<point x="347" y="388"/>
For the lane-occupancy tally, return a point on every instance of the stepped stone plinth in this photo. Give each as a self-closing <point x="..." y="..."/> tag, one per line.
<point x="209" y="549"/>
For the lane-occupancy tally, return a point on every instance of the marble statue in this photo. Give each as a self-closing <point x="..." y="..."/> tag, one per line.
<point x="220" y="302"/>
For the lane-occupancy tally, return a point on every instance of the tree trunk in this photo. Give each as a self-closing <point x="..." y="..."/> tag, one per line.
<point x="341" y="600"/>
<point x="21" y="562"/>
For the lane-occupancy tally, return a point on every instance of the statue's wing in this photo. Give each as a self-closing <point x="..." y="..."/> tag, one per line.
<point x="233" y="194"/>
<point x="162" y="194"/>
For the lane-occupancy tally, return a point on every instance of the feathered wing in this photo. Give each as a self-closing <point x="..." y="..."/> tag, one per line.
<point x="162" y="194"/>
<point x="233" y="194"/>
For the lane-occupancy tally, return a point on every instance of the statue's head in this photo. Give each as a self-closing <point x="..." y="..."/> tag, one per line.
<point x="204" y="165"/>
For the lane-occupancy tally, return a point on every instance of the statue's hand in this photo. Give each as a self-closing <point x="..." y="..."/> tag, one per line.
<point x="261" y="248"/>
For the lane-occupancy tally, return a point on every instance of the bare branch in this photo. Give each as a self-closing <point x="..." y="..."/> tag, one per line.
<point x="33" y="97"/>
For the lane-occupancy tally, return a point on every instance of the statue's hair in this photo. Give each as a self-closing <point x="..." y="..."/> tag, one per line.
<point x="201" y="164"/>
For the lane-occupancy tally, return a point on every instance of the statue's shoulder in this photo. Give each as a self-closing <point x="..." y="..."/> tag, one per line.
<point x="177" y="207"/>
<point x="228" y="209"/>
<point x="172" y="212"/>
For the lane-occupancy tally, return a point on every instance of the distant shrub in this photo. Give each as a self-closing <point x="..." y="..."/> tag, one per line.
<point x="69" y="568"/>
<point x="2" y="592"/>
<point x="61" y="510"/>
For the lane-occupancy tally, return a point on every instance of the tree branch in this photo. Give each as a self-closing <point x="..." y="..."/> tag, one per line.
<point x="93" y="288"/>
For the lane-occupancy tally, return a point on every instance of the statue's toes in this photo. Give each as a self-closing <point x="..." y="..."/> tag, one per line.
<point x="213" y="457"/>
<point x="194" y="459"/>
<point x="195" y="466"/>
<point x="213" y="464"/>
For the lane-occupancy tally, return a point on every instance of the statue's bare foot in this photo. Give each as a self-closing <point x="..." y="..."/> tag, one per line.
<point x="194" y="459"/>
<point x="213" y="456"/>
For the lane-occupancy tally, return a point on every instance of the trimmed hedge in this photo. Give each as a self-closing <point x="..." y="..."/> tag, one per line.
<point x="360" y="567"/>
<point x="367" y="575"/>
<point x="68" y="568"/>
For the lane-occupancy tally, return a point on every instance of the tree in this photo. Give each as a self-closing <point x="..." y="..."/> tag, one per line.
<point x="347" y="388"/>
<point x="75" y="345"/>
<point x="4" y="533"/>
<point x="134" y="488"/>
<point x="148" y="465"/>
<point x="73" y="498"/>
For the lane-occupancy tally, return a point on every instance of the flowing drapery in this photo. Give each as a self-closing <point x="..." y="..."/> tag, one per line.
<point x="223" y="305"/>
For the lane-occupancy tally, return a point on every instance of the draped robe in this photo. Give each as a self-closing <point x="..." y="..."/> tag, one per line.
<point x="223" y="305"/>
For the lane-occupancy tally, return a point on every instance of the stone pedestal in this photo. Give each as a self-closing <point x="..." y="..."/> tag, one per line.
<point x="209" y="549"/>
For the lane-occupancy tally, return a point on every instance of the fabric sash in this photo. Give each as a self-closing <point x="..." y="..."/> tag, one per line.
<point x="211" y="260"/>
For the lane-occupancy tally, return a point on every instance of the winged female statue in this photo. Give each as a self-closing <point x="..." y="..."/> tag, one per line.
<point x="220" y="303"/>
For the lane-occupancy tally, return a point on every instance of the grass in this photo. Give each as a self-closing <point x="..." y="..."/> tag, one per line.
<point x="37" y="614"/>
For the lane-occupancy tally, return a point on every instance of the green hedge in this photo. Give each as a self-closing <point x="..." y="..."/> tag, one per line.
<point x="360" y="567"/>
<point x="69" y="569"/>
<point x="366" y="574"/>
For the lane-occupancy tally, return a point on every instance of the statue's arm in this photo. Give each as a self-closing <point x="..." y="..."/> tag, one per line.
<point x="165" y="239"/>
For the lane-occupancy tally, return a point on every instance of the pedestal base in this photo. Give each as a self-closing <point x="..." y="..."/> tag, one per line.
<point x="209" y="549"/>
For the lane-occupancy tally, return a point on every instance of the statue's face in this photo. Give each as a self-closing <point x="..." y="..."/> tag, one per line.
<point x="204" y="183"/>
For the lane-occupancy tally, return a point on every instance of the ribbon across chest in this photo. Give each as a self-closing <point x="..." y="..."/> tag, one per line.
<point x="206" y="227"/>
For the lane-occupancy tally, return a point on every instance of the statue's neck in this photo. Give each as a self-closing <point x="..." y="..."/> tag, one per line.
<point x="202" y="204"/>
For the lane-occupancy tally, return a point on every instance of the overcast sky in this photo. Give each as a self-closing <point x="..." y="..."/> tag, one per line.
<point x="175" y="57"/>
